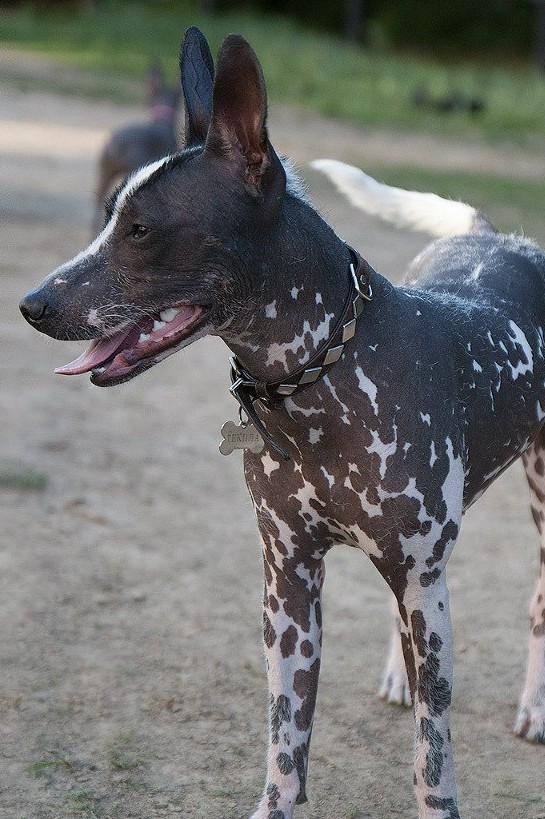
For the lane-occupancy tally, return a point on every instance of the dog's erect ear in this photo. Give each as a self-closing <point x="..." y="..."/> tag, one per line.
<point x="197" y="74"/>
<point x="238" y="128"/>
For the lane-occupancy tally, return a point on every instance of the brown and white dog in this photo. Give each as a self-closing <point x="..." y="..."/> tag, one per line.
<point x="385" y="411"/>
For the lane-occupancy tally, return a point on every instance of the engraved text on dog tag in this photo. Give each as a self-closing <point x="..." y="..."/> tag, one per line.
<point x="240" y="436"/>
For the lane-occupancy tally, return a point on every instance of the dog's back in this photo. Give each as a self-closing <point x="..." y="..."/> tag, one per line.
<point x="470" y="260"/>
<point x="488" y="296"/>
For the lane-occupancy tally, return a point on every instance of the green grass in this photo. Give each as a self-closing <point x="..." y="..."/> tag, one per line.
<point x="304" y="68"/>
<point x="13" y="477"/>
<point x="120" y="756"/>
<point x="86" y="803"/>
<point x="55" y="760"/>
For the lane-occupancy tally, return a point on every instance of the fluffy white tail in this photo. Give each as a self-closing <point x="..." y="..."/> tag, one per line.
<point x="419" y="211"/>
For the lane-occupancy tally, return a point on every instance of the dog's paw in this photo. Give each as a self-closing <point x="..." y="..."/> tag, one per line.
<point x="395" y="688"/>
<point x="530" y="724"/>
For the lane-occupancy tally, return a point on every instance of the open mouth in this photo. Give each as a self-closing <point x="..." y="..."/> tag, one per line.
<point x="119" y="357"/>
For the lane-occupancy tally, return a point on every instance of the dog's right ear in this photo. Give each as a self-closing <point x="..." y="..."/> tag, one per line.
<point x="197" y="75"/>
<point x="238" y="130"/>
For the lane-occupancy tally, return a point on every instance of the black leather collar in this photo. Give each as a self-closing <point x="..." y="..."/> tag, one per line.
<point x="247" y="389"/>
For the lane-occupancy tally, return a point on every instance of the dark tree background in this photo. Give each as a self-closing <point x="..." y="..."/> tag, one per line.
<point x="503" y="29"/>
<point x="506" y="27"/>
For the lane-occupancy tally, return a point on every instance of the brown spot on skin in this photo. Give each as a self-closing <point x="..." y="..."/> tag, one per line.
<point x="280" y="712"/>
<point x="428" y="578"/>
<point x="274" y="794"/>
<point x="269" y="634"/>
<point x="449" y="533"/>
<point x="288" y="641"/>
<point x="435" y="691"/>
<point x="373" y="497"/>
<point x="434" y="758"/>
<point x="418" y="625"/>
<point x="539" y="466"/>
<point x="285" y="763"/>
<point x="273" y="603"/>
<point x="305" y="685"/>
<point x="300" y="757"/>
<point x="307" y="649"/>
<point x="447" y="805"/>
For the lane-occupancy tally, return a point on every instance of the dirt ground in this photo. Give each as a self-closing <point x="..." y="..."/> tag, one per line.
<point x="133" y="681"/>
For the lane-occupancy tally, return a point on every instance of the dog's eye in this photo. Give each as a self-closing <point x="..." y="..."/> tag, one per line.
<point x="139" y="231"/>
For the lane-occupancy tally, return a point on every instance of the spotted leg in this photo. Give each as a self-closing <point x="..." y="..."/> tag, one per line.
<point x="530" y="722"/>
<point x="292" y="637"/>
<point x="426" y="636"/>
<point x="395" y="684"/>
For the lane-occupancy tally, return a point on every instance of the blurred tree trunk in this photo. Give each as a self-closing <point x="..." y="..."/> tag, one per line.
<point x="353" y="20"/>
<point x="540" y="34"/>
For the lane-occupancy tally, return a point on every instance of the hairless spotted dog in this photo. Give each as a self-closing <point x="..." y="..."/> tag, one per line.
<point x="371" y="415"/>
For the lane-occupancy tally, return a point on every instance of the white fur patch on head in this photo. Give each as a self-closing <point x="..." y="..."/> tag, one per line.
<point x="132" y="184"/>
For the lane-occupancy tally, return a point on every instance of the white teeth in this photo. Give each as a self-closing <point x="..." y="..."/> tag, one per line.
<point x="100" y="370"/>
<point x="158" y="325"/>
<point x="168" y="314"/>
<point x="143" y="337"/>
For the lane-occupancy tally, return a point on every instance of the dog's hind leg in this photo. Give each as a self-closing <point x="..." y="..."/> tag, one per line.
<point x="292" y="631"/>
<point x="530" y="723"/>
<point x="395" y="684"/>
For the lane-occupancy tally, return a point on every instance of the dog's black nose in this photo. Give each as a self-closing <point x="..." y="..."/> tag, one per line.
<point x="34" y="307"/>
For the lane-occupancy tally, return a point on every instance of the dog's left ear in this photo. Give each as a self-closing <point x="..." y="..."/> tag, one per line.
<point x="238" y="129"/>
<point x="197" y="75"/>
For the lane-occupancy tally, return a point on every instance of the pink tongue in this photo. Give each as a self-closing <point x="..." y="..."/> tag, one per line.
<point x="95" y="355"/>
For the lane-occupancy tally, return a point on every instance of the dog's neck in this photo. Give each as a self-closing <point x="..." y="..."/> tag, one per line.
<point x="305" y="280"/>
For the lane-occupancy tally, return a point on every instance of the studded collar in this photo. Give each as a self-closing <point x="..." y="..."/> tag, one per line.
<point x="247" y="389"/>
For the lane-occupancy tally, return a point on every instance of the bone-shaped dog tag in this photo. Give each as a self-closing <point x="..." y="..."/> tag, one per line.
<point x="240" y="436"/>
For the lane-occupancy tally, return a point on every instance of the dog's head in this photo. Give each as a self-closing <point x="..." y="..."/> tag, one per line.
<point x="178" y="255"/>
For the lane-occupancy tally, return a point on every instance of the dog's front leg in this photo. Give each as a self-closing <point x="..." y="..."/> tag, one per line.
<point x="426" y="635"/>
<point x="292" y="637"/>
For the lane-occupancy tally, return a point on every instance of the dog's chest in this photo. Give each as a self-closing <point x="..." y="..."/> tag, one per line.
<point x="358" y="475"/>
<point x="386" y="446"/>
